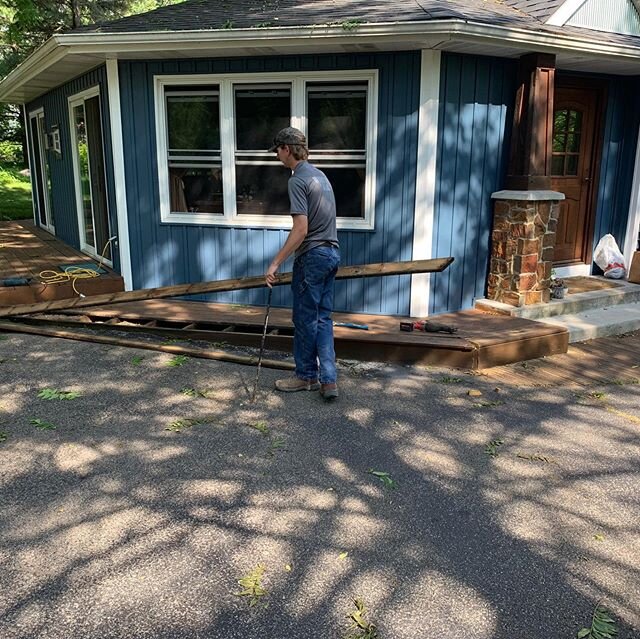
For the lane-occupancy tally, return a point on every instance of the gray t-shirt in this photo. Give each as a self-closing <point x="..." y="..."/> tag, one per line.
<point x="310" y="194"/>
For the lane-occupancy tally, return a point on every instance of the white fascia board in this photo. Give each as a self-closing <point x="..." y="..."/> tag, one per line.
<point x="429" y="34"/>
<point x="424" y="212"/>
<point x="46" y="56"/>
<point x="564" y="12"/>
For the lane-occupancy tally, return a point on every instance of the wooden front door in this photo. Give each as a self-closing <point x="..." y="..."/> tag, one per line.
<point x="573" y="170"/>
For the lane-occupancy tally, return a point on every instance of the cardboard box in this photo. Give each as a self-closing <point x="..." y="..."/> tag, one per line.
<point x="634" y="269"/>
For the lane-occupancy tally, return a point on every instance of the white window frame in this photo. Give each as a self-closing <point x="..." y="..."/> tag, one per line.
<point x="72" y="101"/>
<point x="226" y="83"/>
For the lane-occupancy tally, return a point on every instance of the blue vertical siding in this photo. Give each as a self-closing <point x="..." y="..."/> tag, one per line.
<point x="56" y="111"/>
<point x="622" y="119"/>
<point x="476" y="100"/>
<point x="164" y="254"/>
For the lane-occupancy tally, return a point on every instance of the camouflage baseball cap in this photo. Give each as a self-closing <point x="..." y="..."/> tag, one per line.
<point x="288" y="135"/>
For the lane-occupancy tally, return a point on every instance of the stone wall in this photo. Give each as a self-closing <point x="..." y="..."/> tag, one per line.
<point x="522" y="241"/>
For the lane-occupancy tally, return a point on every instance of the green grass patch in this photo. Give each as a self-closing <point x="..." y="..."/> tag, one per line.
<point x="52" y="393"/>
<point x="15" y="194"/>
<point x="42" y="425"/>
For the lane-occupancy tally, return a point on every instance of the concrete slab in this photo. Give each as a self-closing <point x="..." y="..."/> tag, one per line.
<point x="598" y="322"/>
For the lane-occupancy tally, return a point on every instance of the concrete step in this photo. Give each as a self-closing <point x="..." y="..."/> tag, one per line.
<point x="598" y="322"/>
<point x="573" y="304"/>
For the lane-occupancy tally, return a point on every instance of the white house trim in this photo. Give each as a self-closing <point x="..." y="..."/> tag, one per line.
<point x="425" y="178"/>
<point x="564" y="12"/>
<point x="226" y="82"/>
<point x="86" y="50"/>
<point x="119" y="178"/>
<point x="633" y="219"/>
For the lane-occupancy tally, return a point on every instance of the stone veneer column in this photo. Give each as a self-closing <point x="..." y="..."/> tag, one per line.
<point x="522" y="241"/>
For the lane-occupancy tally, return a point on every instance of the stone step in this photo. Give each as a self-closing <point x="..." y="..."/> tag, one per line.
<point x="575" y="303"/>
<point x="598" y="322"/>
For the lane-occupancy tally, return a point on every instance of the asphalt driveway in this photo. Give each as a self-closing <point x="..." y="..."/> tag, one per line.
<point x="133" y="509"/>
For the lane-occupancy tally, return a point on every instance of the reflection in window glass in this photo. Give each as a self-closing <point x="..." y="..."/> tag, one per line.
<point x="261" y="180"/>
<point x="575" y="121"/>
<point x="195" y="159"/>
<point x="348" y="187"/>
<point x="260" y="112"/>
<point x="573" y="142"/>
<point x="79" y="122"/>
<point x="337" y="120"/>
<point x="262" y="189"/>
<point x="559" y="142"/>
<point x="337" y="116"/>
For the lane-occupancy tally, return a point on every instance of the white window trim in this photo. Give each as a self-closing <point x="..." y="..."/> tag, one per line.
<point x="227" y="133"/>
<point x="73" y="101"/>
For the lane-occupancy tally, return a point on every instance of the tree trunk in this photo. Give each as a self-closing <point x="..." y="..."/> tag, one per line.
<point x="75" y="14"/>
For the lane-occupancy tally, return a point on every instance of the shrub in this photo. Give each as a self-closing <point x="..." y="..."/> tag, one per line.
<point x="11" y="153"/>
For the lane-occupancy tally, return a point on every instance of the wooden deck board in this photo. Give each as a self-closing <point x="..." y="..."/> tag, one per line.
<point x="597" y="362"/>
<point x="26" y="251"/>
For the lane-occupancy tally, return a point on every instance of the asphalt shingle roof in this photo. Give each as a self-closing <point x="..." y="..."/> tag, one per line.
<point x="241" y="14"/>
<point x="215" y="14"/>
<point x="539" y="9"/>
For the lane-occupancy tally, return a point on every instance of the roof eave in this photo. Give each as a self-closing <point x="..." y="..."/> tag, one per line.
<point x="427" y="34"/>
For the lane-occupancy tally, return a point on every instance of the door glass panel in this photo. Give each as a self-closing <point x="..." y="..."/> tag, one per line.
<point x="557" y="165"/>
<point x="98" y="177"/>
<point x="572" y="165"/>
<point x="559" y="142"/>
<point x="44" y="206"/>
<point x="575" y="121"/>
<point x="82" y="147"/>
<point x="37" y="165"/>
<point x="573" y="142"/>
<point x="92" y="185"/>
<point x="565" y="159"/>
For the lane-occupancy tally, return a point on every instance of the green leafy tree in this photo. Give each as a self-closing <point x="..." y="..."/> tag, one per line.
<point x="27" y="24"/>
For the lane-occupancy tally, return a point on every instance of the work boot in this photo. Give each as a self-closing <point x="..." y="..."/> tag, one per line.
<point x="295" y="384"/>
<point x="329" y="391"/>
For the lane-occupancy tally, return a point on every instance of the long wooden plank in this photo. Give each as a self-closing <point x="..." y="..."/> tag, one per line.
<point x="218" y="286"/>
<point x="144" y="344"/>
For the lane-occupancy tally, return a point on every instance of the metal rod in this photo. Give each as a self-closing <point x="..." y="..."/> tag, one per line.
<point x="264" y="335"/>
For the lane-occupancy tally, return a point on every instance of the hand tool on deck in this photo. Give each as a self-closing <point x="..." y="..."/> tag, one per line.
<point x="362" y="327"/>
<point x="264" y="335"/>
<point x="427" y="327"/>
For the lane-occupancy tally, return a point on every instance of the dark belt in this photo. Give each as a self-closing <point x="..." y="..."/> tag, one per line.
<point x="327" y="244"/>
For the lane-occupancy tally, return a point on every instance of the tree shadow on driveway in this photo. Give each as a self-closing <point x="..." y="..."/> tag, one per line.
<point x="114" y="526"/>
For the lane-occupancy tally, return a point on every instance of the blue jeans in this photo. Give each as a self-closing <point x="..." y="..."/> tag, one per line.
<point x="314" y="274"/>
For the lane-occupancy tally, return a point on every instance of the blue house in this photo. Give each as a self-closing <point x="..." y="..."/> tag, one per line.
<point x="148" y="137"/>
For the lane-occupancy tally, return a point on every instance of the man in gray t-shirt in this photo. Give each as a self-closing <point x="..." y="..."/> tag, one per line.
<point x="314" y="239"/>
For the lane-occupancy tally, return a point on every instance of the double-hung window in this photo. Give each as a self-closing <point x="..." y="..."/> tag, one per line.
<point x="213" y="133"/>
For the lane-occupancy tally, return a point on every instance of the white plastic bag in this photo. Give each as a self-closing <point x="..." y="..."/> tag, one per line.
<point x="609" y="258"/>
